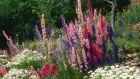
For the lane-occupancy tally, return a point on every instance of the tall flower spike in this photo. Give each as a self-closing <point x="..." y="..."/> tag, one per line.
<point x="43" y="26"/>
<point x="90" y="10"/>
<point x="39" y="35"/>
<point x="63" y="23"/>
<point x="11" y="44"/>
<point x="95" y="13"/>
<point x="79" y="11"/>
<point x="124" y="49"/>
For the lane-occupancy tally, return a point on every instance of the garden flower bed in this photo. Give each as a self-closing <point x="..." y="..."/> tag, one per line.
<point x="114" y="72"/>
<point x="79" y="46"/>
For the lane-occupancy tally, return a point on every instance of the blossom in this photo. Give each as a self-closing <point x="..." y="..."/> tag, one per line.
<point x="3" y="70"/>
<point x="43" y="26"/>
<point x="42" y="73"/>
<point x="39" y="35"/>
<point x="85" y="31"/>
<point x="124" y="49"/>
<point x="95" y="13"/>
<point x="79" y="11"/>
<point x="11" y="44"/>
<point x="110" y="33"/>
<point x="46" y="67"/>
<point x="53" y="69"/>
<point x="90" y="9"/>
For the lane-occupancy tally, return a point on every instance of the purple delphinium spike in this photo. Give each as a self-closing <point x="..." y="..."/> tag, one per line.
<point x="110" y="56"/>
<point x="63" y="23"/>
<point x="110" y="33"/>
<point x="124" y="49"/>
<point x="63" y="20"/>
<point x="39" y="35"/>
<point x="56" y="55"/>
<point x="115" y="47"/>
<point x="104" y="49"/>
<point x="66" y="43"/>
<point x="48" y="31"/>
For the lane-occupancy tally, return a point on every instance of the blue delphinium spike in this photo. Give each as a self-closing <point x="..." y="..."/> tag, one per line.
<point x="124" y="49"/>
<point x="120" y="23"/>
<point x="110" y="56"/>
<point x="115" y="47"/>
<point x="116" y="58"/>
<point x="48" y="31"/>
<point x="104" y="49"/>
<point x="110" y="33"/>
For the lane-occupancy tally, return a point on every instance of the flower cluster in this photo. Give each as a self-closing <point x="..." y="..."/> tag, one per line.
<point x="26" y="59"/>
<point x="47" y="71"/>
<point x="114" y="72"/>
<point x="16" y="74"/>
<point x="2" y="70"/>
<point x="12" y="46"/>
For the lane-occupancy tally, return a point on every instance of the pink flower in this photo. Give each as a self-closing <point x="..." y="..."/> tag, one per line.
<point x="3" y="71"/>
<point x="90" y="9"/>
<point x="95" y="13"/>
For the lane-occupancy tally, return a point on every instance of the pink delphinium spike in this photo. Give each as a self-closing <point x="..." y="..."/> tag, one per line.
<point x="49" y="47"/>
<point x="11" y="44"/>
<point x="73" y="58"/>
<point x="95" y="13"/>
<point x="86" y="42"/>
<point x="79" y="11"/>
<point x="6" y="36"/>
<point x="84" y="57"/>
<point x="43" y="26"/>
<point x="90" y="10"/>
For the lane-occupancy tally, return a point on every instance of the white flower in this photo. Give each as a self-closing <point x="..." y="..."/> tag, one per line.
<point x="115" y="72"/>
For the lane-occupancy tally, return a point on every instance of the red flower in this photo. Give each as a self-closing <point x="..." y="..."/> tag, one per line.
<point x="42" y="73"/>
<point x="52" y="71"/>
<point x="3" y="70"/>
<point x="97" y="51"/>
<point x="85" y="31"/>
<point x="90" y="9"/>
<point x="95" y="59"/>
<point x="89" y="56"/>
<point x="107" y="37"/>
<point x="46" y="67"/>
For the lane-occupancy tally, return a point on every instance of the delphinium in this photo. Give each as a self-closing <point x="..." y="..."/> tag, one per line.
<point x="11" y="45"/>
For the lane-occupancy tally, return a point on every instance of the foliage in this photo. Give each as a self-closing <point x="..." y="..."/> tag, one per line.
<point x="26" y="59"/>
<point x="3" y="61"/>
<point x="20" y="14"/>
<point x="132" y="16"/>
<point x="16" y="73"/>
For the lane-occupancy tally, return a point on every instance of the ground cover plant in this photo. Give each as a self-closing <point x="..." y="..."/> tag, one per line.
<point x="87" y="47"/>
